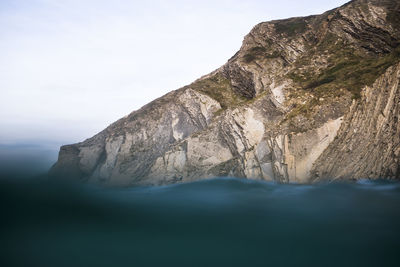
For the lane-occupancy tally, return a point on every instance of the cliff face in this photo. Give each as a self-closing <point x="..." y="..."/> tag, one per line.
<point x="368" y="142"/>
<point x="304" y="99"/>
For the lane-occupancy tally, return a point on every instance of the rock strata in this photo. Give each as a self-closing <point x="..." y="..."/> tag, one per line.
<point x="304" y="99"/>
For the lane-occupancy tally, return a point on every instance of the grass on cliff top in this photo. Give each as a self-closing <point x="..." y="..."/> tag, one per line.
<point x="291" y="27"/>
<point x="347" y="69"/>
<point x="220" y="89"/>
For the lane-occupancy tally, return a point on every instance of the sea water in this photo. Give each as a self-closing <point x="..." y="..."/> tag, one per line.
<point x="216" y="222"/>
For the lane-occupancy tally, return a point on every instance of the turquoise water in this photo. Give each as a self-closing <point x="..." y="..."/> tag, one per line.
<point x="218" y="222"/>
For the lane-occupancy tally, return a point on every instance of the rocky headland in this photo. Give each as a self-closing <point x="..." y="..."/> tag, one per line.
<point x="304" y="99"/>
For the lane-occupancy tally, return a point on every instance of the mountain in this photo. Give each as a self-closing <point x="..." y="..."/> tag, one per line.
<point x="305" y="99"/>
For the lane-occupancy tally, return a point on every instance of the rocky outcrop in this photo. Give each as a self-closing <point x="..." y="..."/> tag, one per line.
<point x="304" y="99"/>
<point x="295" y="153"/>
<point x="368" y="143"/>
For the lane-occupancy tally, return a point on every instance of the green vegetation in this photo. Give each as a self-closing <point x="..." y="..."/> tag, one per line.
<point x="393" y="14"/>
<point x="305" y="109"/>
<point x="259" y="52"/>
<point x="291" y="27"/>
<point x="249" y="57"/>
<point x="220" y="89"/>
<point x="346" y="69"/>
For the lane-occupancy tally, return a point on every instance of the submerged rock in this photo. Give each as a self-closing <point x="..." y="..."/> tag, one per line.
<point x="304" y="99"/>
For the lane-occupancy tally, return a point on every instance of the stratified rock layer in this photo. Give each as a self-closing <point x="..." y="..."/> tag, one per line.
<point x="368" y="143"/>
<point x="304" y="99"/>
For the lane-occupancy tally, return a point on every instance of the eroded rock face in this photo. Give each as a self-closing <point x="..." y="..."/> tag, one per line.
<point x="305" y="99"/>
<point x="368" y="143"/>
<point x="295" y="153"/>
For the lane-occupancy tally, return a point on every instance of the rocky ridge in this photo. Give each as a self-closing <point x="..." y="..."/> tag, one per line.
<point x="303" y="100"/>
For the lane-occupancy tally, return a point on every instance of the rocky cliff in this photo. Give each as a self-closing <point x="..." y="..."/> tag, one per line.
<point x="304" y="99"/>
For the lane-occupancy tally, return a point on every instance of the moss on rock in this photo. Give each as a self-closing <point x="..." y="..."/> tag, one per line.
<point x="220" y="89"/>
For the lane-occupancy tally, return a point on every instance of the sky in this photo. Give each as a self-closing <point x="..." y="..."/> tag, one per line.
<point x="68" y="69"/>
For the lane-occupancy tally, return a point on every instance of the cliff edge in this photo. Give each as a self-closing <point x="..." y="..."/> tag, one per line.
<point x="304" y="99"/>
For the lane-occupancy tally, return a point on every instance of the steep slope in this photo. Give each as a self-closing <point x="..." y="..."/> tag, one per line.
<point x="368" y="143"/>
<point x="304" y="99"/>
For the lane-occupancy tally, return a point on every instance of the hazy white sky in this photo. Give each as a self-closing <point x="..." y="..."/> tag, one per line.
<point x="70" y="68"/>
